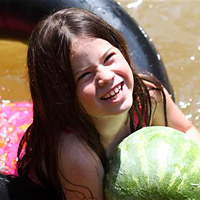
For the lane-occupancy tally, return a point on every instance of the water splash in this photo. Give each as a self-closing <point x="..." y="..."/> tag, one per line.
<point x="135" y="4"/>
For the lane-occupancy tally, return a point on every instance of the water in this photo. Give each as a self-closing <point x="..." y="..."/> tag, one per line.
<point x="174" y="29"/>
<point x="13" y="75"/>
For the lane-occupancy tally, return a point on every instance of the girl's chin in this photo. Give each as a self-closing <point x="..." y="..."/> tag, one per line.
<point x="111" y="108"/>
<point x="117" y="111"/>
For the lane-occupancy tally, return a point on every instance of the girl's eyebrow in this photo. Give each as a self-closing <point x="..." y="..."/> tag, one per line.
<point x="106" y="52"/>
<point x="82" y="69"/>
<point x="85" y="68"/>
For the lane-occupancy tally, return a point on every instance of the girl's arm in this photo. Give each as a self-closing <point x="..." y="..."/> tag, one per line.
<point x="176" y="118"/>
<point x="81" y="170"/>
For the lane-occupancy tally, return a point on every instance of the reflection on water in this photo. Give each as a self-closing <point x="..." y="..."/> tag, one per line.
<point x="174" y="28"/>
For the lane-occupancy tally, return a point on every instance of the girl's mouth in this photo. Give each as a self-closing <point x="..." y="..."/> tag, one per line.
<point x="112" y="93"/>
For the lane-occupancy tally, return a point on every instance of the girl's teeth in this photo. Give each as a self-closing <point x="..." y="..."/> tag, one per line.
<point x="116" y="90"/>
<point x="112" y="92"/>
<point x="112" y="98"/>
<point x="107" y="95"/>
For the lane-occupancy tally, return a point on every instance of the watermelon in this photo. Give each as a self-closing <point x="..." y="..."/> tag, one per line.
<point x="158" y="163"/>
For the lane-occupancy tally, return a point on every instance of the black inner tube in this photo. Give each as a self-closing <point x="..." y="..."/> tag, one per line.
<point x="16" y="188"/>
<point x="18" y="18"/>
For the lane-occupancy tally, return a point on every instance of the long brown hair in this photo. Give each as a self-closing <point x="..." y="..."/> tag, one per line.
<point x="53" y="91"/>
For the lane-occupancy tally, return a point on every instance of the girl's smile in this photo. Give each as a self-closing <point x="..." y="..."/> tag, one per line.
<point x="103" y="77"/>
<point x="113" y="93"/>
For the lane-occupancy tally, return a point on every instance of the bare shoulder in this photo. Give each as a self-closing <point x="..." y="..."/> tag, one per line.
<point x="161" y="101"/>
<point x="81" y="170"/>
<point x="175" y="117"/>
<point x="155" y="93"/>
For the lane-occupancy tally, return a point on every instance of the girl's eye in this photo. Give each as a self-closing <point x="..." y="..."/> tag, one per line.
<point x="108" y="57"/>
<point x="83" y="75"/>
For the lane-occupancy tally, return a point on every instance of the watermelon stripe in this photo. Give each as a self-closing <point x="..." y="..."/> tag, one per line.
<point x="154" y="163"/>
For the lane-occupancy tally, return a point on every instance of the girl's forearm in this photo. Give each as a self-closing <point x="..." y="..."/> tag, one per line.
<point x="194" y="134"/>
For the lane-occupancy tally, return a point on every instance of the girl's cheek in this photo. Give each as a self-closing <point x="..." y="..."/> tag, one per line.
<point x="85" y="91"/>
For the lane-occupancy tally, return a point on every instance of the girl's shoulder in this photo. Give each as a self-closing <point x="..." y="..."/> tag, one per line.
<point x="159" y="100"/>
<point x="71" y="146"/>
<point x="80" y="168"/>
<point x="156" y="93"/>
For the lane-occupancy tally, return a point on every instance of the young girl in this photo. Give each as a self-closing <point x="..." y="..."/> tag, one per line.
<point x="87" y="97"/>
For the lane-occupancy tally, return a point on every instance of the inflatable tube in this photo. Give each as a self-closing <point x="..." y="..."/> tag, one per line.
<point x="17" y="19"/>
<point x="15" y="188"/>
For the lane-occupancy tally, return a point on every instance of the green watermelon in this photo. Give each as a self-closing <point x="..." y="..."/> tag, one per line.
<point x="158" y="163"/>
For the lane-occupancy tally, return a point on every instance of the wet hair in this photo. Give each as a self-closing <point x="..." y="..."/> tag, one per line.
<point x="53" y="90"/>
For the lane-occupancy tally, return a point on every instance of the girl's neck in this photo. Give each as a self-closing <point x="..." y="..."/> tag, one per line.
<point x="112" y="130"/>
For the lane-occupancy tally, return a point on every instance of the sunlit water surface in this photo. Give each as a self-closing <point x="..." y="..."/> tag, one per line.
<point x="174" y="29"/>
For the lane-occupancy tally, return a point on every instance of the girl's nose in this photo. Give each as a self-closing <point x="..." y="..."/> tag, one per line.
<point x="105" y="76"/>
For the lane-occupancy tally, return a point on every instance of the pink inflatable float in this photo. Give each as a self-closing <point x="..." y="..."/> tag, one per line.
<point x="15" y="117"/>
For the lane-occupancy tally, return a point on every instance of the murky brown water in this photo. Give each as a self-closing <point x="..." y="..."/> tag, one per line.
<point x="174" y="28"/>
<point x="13" y="79"/>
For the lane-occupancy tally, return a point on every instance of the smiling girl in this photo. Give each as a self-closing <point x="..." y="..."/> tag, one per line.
<point x="87" y="97"/>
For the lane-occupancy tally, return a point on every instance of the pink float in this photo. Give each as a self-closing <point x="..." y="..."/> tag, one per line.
<point x="15" y="117"/>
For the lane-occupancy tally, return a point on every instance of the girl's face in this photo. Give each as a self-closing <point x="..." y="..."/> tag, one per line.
<point x="103" y="77"/>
